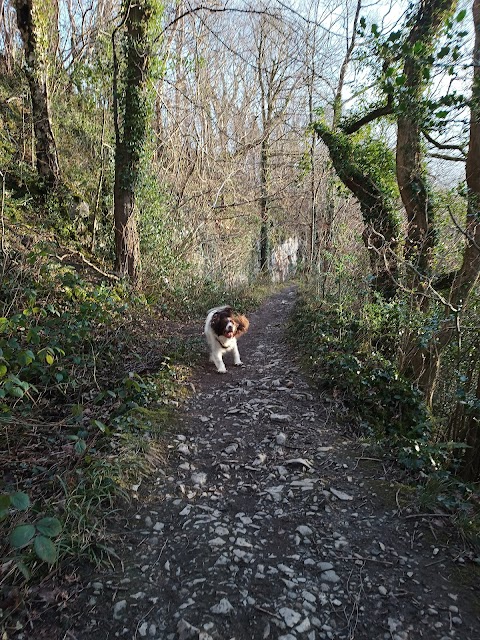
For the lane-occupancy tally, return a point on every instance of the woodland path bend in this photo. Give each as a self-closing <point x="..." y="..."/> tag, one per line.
<point x="242" y="540"/>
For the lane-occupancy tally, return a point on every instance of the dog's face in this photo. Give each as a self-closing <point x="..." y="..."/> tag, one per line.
<point x="227" y="325"/>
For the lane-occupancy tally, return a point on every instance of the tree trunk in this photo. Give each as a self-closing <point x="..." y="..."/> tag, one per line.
<point x="264" y="213"/>
<point x="379" y="214"/>
<point x="411" y="172"/>
<point x="130" y="135"/>
<point x="418" y="362"/>
<point x="468" y="273"/>
<point x="36" y="67"/>
<point x="470" y="466"/>
<point x="422" y="363"/>
<point x="127" y="244"/>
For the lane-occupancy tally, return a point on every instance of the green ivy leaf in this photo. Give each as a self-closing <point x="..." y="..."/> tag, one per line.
<point x="22" y="567"/>
<point x="4" y="501"/>
<point x="3" y="370"/>
<point x="26" y="357"/>
<point x="461" y="15"/>
<point x="49" y="359"/>
<point x="3" y="324"/>
<point x="49" y="527"/>
<point x="20" y="500"/>
<point x="22" y="535"/>
<point x="80" y="447"/>
<point x="45" y="549"/>
<point x="16" y="392"/>
<point x="97" y="423"/>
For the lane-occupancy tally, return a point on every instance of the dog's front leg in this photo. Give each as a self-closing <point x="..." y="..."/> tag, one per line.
<point x="236" y="357"/>
<point x="218" y="361"/>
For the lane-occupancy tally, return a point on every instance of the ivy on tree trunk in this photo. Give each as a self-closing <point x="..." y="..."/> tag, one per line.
<point x="37" y="23"/>
<point x="412" y="110"/>
<point x="379" y="212"/>
<point x="131" y="113"/>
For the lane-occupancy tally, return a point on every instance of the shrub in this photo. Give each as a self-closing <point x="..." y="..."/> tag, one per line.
<point x="343" y="353"/>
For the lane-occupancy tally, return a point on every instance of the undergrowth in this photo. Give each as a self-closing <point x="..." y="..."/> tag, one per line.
<point x="91" y="375"/>
<point x="346" y="352"/>
<point x="86" y="392"/>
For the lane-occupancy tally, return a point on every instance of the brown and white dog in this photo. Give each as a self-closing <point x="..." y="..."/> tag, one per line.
<point x="222" y="328"/>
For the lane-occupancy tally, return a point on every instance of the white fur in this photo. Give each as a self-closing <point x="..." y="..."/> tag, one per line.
<point x="219" y="345"/>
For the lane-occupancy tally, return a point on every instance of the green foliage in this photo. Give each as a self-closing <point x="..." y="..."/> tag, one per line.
<point x="442" y="491"/>
<point x="45" y="347"/>
<point x="377" y="159"/>
<point x="352" y="348"/>
<point x="63" y="383"/>
<point x="23" y="535"/>
<point x="346" y="352"/>
<point x="439" y="49"/>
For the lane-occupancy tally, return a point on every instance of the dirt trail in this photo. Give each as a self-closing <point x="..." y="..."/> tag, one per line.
<point x="271" y="524"/>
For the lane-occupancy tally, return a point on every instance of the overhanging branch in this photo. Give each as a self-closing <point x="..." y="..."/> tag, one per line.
<point x="379" y="112"/>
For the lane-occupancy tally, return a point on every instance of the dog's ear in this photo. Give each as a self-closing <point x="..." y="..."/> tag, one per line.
<point x="242" y="324"/>
<point x="214" y="319"/>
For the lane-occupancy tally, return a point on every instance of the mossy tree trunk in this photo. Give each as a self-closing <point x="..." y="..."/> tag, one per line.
<point x="466" y="415"/>
<point x="37" y="23"/>
<point x="131" y="114"/>
<point x="468" y="274"/>
<point x="419" y="362"/>
<point x="379" y="212"/>
<point x="412" y="109"/>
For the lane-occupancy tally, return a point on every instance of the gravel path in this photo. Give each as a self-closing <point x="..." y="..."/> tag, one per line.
<point x="270" y="524"/>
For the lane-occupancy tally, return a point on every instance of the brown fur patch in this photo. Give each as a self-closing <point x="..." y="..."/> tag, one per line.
<point x="242" y="324"/>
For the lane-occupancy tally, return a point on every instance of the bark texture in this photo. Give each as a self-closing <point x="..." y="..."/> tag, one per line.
<point x="411" y="174"/>
<point x="33" y="24"/>
<point x="379" y="215"/>
<point x="131" y="133"/>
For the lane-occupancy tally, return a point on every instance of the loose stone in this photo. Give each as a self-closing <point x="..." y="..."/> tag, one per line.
<point x="290" y="616"/>
<point x="222" y="608"/>
<point x="330" y="576"/>
<point x="303" y="530"/>
<point x="118" y="609"/>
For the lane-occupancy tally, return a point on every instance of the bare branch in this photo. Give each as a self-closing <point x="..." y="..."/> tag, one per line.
<point x="444" y="156"/>
<point x="442" y="145"/>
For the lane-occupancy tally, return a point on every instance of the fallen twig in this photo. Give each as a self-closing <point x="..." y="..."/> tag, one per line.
<point x="269" y="613"/>
<point x="429" y="515"/>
